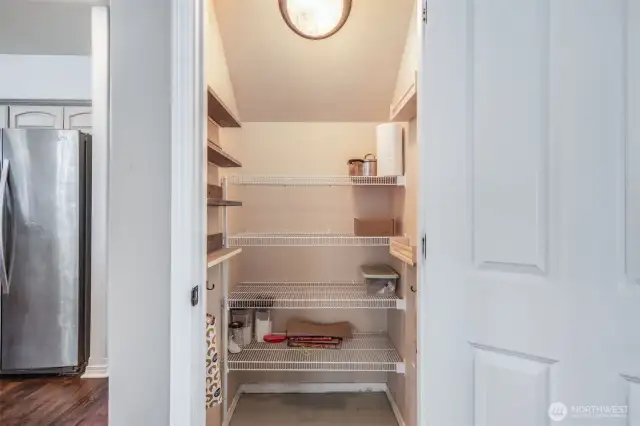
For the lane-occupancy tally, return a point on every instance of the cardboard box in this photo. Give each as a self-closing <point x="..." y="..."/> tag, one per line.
<point x="214" y="191"/>
<point x="214" y="242"/>
<point x="374" y="227"/>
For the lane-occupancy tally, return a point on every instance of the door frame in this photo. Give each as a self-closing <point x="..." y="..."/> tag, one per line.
<point x="422" y="298"/>
<point x="188" y="214"/>
<point x="188" y="209"/>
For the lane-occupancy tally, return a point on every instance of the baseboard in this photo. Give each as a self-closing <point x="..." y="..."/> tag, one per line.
<point x="394" y="406"/>
<point x="100" y="371"/>
<point x="232" y="407"/>
<point x="312" y="387"/>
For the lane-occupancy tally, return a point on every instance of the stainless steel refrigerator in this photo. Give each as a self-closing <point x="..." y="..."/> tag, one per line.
<point x="45" y="215"/>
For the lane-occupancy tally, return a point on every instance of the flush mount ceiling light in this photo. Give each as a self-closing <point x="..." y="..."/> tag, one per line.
<point x="315" y="19"/>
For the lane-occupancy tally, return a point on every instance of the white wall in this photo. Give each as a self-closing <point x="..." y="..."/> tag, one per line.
<point x="139" y="213"/>
<point x="50" y="28"/>
<point x="216" y="69"/>
<point x="55" y="77"/>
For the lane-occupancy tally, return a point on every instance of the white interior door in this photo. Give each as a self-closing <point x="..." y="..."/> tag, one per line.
<point x="531" y="167"/>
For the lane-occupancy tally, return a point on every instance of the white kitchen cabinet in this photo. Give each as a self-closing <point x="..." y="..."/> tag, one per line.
<point x="404" y="103"/>
<point x="78" y="118"/>
<point x="4" y="116"/>
<point x="41" y="117"/>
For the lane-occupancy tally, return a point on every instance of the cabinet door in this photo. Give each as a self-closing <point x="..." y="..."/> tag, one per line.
<point x="78" y="118"/>
<point x="4" y="116"/>
<point x="43" y="117"/>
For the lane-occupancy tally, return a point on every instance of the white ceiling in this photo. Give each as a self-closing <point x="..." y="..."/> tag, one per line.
<point x="44" y="28"/>
<point x="280" y="76"/>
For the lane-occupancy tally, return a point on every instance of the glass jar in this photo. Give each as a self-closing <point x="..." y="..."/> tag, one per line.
<point x="236" y="337"/>
<point x="245" y="316"/>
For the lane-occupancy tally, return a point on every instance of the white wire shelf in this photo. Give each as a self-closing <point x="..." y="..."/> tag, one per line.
<point x="286" y="239"/>
<point x="310" y="295"/>
<point x="364" y="352"/>
<point x="272" y="180"/>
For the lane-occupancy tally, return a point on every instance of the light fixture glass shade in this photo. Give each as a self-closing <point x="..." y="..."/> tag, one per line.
<point x="315" y="19"/>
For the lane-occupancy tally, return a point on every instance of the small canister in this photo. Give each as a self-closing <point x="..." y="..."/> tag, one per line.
<point x="355" y="166"/>
<point x="370" y="166"/>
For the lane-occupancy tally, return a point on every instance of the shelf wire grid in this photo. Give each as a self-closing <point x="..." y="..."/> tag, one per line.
<point x="267" y="180"/>
<point x="363" y="352"/>
<point x="286" y="239"/>
<point x="308" y="295"/>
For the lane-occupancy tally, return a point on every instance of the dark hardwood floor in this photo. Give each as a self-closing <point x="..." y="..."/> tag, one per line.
<point x="53" y="401"/>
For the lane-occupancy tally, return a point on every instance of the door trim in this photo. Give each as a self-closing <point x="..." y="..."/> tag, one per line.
<point x="421" y="296"/>
<point x="46" y="102"/>
<point x="188" y="208"/>
<point x="98" y="360"/>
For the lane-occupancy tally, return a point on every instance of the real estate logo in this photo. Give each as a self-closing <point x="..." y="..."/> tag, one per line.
<point x="558" y="411"/>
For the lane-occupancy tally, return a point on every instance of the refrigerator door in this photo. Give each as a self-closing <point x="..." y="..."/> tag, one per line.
<point x="43" y="314"/>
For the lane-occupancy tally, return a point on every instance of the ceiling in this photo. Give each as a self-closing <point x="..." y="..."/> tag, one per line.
<point x="44" y="28"/>
<point x="280" y="76"/>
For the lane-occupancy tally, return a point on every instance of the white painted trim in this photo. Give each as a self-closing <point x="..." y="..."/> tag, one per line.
<point x="96" y="372"/>
<point x="46" y="102"/>
<point x="85" y="2"/>
<point x="100" y="189"/>
<point x="188" y="210"/>
<point x="312" y="387"/>
<point x="394" y="406"/>
<point x="232" y="407"/>
<point x="422" y="300"/>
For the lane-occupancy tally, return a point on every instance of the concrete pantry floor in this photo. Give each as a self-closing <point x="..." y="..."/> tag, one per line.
<point x="353" y="409"/>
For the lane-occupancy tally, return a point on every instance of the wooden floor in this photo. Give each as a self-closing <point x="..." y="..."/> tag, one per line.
<point x="53" y="401"/>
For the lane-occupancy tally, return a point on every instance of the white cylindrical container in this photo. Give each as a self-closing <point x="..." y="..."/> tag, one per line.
<point x="389" y="145"/>
<point x="263" y="324"/>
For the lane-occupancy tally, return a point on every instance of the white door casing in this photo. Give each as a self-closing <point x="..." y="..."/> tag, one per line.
<point x="188" y="214"/>
<point x="44" y="117"/>
<point x="531" y="178"/>
<point x="78" y="118"/>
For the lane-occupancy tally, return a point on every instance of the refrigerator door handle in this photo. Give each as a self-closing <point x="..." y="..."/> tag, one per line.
<point x="4" y="180"/>
<point x="14" y="223"/>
